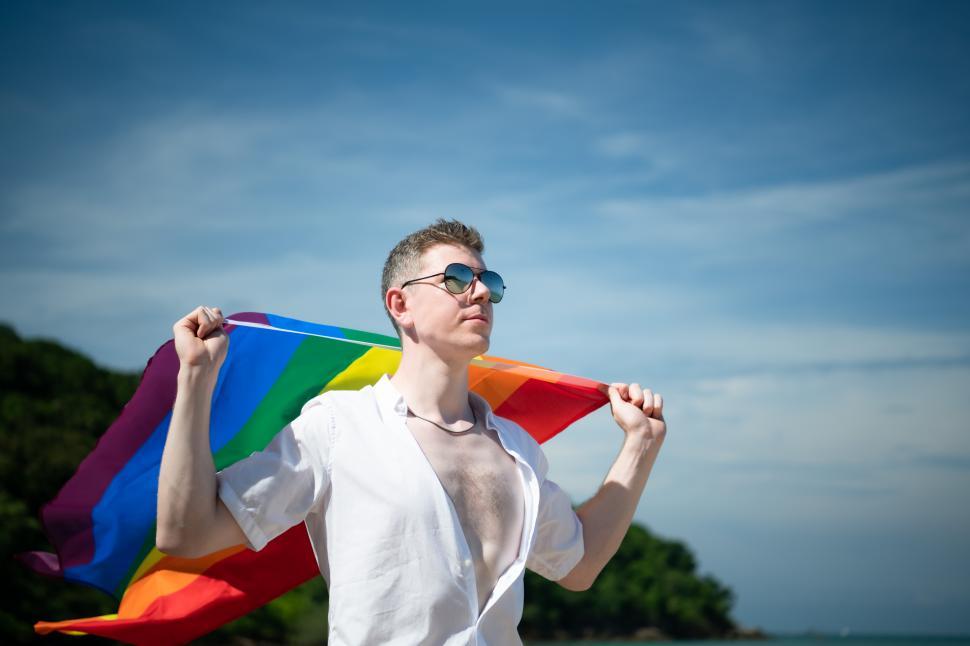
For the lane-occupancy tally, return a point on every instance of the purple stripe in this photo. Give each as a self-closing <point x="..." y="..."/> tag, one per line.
<point x="67" y="519"/>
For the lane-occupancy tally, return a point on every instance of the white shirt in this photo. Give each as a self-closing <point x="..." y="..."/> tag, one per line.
<point x="385" y="532"/>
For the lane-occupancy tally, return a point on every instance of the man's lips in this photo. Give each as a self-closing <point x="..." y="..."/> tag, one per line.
<point x="477" y="318"/>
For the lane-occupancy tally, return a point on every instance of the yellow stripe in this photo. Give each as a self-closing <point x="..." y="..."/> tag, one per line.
<point x="366" y="370"/>
<point x="153" y="557"/>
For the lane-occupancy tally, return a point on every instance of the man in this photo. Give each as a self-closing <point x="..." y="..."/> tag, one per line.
<point x="423" y="507"/>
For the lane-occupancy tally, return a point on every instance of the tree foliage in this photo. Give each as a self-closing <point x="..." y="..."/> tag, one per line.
<point x="54" y="404"/>
<point x="650" y="583"/>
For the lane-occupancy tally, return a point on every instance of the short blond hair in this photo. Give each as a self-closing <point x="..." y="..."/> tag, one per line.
<point x="404" y="261"/>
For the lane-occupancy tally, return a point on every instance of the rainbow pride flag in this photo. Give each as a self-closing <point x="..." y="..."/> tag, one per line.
<point x="102" y="522"/>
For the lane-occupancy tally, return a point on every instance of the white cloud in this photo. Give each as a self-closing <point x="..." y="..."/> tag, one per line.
<point x="552" y="102"/>
<point x="764" y="210"/>
<point x="801" y="437"/>
<point x="900" y="224"/>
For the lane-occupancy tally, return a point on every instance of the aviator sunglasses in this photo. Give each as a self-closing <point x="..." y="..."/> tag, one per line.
<point x="459" y="276"/>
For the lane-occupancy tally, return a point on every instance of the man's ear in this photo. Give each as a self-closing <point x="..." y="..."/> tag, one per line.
<point x="396" y="303"/>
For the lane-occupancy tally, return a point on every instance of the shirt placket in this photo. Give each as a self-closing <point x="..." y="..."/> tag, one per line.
<point x="530" y="491"/>
<point x="464" y="569"/>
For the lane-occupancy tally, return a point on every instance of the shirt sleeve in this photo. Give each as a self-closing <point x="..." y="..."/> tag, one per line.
<point x="274" y="489"/>
<point x="558" y="545"/>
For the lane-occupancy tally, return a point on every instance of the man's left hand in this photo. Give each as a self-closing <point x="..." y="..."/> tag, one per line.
<point x="638" y="411"/>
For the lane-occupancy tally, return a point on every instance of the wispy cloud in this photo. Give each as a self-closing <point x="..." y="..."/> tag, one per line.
<point x="549" y="102"/>
<point x="763" y="210"/>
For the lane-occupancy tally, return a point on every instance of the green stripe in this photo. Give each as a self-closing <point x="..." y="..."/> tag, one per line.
<point x="315" y="362"/>
<point x="313" y="365"/>
<point x="147" y="546"/>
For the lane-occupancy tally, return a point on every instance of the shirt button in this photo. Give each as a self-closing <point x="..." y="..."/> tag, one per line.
<point x="467" y="563"/>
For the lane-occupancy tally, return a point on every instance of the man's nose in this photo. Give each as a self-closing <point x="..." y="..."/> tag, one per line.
<point x="480" y="293"/>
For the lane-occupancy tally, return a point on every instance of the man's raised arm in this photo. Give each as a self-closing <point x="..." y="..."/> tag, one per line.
<point x="192" y="520"/>
<point x="606" y="516"/>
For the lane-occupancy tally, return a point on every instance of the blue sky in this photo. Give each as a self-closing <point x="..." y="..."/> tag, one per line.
<point x="759" y="210"/>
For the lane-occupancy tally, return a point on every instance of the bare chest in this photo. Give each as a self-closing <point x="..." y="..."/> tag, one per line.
<point x="484" y="485"/>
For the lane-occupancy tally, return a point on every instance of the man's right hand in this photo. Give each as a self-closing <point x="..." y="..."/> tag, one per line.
<point x="191" y="518"/>
<point x="200" y="341"/>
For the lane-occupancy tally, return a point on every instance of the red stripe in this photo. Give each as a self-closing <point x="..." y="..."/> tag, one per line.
<point x="228" y="590"/>
<point x="544" y="409"/>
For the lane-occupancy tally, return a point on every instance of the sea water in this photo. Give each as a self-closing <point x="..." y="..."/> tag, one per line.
<point x="800" y="640"/>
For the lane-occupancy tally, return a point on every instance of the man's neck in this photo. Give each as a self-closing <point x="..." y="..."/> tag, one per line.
<point x="433" y="387"/>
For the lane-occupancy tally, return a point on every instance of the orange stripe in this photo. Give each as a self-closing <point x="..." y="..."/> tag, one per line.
<point x="169" y="575"/>
<point x="230" y="587"/>
<point x="530" y="370"/>
<point x="494" y="385"/>
<point x="486" y="357"/>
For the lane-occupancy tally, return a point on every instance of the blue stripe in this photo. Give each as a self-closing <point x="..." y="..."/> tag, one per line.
<point x="304" y="326"/>
<point x="133" y="493"/>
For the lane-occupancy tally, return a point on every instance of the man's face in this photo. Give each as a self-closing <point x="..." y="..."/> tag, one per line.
<point x="455" y="326"/>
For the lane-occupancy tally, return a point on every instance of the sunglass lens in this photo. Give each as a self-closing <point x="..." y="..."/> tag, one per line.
<point x="495" y="284"/>
<point x="457" y="277"/>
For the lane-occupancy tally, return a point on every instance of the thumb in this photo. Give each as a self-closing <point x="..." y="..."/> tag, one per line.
<point x="615" y="397"/>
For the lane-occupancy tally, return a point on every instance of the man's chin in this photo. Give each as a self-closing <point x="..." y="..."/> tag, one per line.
<point x="480" y="346"/>
<point x="467" y="348"/>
